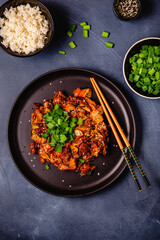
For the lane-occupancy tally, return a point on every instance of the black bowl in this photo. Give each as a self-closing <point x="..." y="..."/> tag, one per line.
<point x="135" y="48"/>
<point x="45" y="12"/>
<point x="118" y="15"/>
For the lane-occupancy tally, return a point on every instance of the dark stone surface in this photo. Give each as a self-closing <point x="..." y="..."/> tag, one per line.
<point x="118" y="212"/>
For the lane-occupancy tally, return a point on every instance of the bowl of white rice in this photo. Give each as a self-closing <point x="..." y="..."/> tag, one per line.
<point x="26" y="27"/>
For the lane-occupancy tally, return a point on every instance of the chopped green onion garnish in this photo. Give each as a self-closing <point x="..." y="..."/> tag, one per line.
<point x="85" y="33"/>
<point x="110" y="45"/>
<point x="45" y="135"/>
<point x="105" y="34"/>
<point x="87" y="27"/>
<point x="72" y="45"/>
<point x="81" y="160"/>
<point x="47" y="167"/>
<point x="62" y="52"/>
<point x="145" y="69"/>
<point x="70" y="34"/>
<point x="83" y="24"/>
<point x="58" y="148"/>
<point x="89" y="173"/>
<point x="73" y="27"/>
<point x="80" y="121"/>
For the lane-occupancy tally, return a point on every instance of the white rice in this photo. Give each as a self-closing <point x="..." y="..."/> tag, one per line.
<point x="23" y="29"/>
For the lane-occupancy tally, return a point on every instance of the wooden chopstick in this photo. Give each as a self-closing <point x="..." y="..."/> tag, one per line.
<point x="117" y="137"/>
<point x="121" y="133"/>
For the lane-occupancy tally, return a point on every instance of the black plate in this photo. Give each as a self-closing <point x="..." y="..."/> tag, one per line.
<point x="54" y="181"/>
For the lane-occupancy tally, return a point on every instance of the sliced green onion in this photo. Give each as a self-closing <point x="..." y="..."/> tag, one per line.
<point x="62" y="52"/>
<point x="56" y="106"/>
<point x="110" y="45"/>
<point x="45" y="135"/>
<point x="74" y="119"/>
<point x="80" y="121"/>
<point x="73" y="27"/>
<point x="85" y="33"/>
<point x="70" y="34"/>
<point x="47" y="167"/>
<point x="72" y="45"/>
<point x="58" y="148"/>
<point x="87" y="27"/>
<point x="89" y="173"/>
<point x="105" y="34"/>
<point x="81" y="160"/>
<point x="83" y="24"/>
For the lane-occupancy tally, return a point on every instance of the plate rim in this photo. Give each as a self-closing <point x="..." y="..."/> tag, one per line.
<point x="60" y="70"/>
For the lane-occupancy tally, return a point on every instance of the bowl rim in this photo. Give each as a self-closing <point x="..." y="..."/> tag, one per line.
<point x="15" y="54"/>
<point x="124" y="61"/>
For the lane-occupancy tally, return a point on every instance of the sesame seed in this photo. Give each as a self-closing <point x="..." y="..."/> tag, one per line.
<point x="44" y="100"/>
<point x="31" y="160"/>
<point x="104" y="163"/>
<point x="34" y="157"/>
<point x="20" y="122"/>
<point x="114" y="145"/>
<point x="29" y="154"/>
<point x="98" y="174"/>
<point x="33" y="165"/>
<point x="60" y="82"/>
<point x="70" y="186"/>
<point x="50" y="83"/>
<point x="62" y="180"/>
<point x="112" y="102"/>
<point x="29" y="120"/>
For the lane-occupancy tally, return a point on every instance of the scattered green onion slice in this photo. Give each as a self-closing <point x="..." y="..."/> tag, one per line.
<point x="72" y="45"/>
<point x="80" y="121"/>
<point x="73" y="27"/>
<point x="83" y="24"/>
<point x="62" y="52"/>
<point x="89" y="173"/>
<point x="87" y="27"/>
<point x="47" y="167"/>
<point x="69" y="33"/>
<point x="105" y="34"/>
<point x="110" y="45"/>
<point x="81" y="160"/>
<point x="85" y="33"/>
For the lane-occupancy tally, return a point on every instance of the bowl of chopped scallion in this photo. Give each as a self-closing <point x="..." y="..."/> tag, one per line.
<point x="141" y="67"/>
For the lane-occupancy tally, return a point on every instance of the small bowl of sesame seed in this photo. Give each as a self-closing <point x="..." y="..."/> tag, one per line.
<point x="127" y="9"/>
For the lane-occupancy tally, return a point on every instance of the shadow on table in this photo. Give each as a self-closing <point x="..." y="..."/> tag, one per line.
<point x="147" y="8"/>
<point x="61" y="25"/>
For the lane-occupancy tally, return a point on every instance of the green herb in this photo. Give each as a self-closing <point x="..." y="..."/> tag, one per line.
<point x="60" y="127"/>
<point x="83" y="24"/>
<point x="87" y="27"/>
<point x="89" y="173"/>
<point x="45" y="135"/>
<point x="105" y="34"/>
<point x="80" y="121"/>
<point x="81" y="160"/>
<point x="70" y="34"/>
<point x="145" y="66"/>
<point x="72" y="45"/>
<point x="110" y="45"/>
<point x="62" y="52"/>
<point x="47" y="167"/>
<point x="73" y="27"/>
<point x="85" y="33"/>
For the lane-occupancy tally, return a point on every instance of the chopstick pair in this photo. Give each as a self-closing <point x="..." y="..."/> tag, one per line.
<point x="107" y="109"/>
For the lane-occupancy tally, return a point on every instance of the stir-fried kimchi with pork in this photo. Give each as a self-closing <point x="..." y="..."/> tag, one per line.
<point x="69" y="131"/>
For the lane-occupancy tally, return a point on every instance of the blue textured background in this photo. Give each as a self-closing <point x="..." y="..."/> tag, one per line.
<point x="119" y="212"/>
